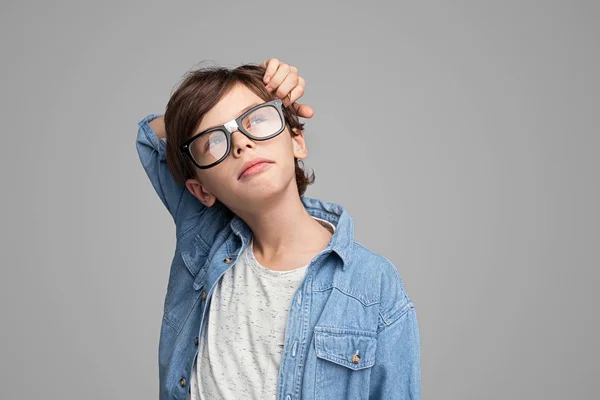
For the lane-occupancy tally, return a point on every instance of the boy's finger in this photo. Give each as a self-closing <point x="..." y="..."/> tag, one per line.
<point x="293" y="95"/>
<point x="303" y="110"/>
<point x="288" y="84"/>
<point x="276" y="79"/>
<point x="271" y="64"/>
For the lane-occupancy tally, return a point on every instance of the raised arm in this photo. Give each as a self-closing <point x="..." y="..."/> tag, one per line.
<point x="151" y="146"/>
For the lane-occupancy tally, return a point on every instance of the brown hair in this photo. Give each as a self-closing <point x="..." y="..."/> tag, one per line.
<point x="197" y="93"/>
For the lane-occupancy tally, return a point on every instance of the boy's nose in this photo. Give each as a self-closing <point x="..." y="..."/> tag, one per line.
<point x="239" y="140"/>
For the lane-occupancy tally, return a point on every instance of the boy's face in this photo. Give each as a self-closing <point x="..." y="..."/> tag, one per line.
<point x="222" y="181"/>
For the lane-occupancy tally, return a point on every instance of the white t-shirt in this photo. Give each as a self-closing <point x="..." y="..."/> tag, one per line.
<point x="245" y="329"/>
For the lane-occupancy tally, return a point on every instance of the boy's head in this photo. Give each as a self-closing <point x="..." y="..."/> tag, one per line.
<point x="211" y="97"/>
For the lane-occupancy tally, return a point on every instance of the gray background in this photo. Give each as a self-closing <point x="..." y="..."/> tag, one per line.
<point x="462" y="137"/>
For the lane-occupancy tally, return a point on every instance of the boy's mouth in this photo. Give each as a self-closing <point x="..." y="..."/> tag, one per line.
<point x="253" y="166"/>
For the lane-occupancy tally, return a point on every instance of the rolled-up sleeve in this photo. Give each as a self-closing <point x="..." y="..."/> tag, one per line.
<point x="152" y="153"/>
<point x="396" y="373"/>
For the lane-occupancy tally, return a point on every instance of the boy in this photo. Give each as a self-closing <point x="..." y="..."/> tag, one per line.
<point x="269" y="296"/>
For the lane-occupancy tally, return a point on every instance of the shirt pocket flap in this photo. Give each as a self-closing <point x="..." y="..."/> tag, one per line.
<point x="347" y="347"/>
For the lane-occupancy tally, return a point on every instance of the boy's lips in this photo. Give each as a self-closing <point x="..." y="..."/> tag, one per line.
<point x="252" y="163"/>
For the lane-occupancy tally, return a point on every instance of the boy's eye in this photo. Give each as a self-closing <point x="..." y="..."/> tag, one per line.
<point x="213" y="142"/>
<point x="255" y="120"/>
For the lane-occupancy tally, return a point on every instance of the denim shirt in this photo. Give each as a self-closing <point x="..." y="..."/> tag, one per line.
<point x="351" y="331"/>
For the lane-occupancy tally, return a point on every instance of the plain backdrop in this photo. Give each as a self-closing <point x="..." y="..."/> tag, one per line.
<point x="462" y="137"/>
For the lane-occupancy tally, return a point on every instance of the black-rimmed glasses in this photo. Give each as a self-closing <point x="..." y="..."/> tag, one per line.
<point x="210" y="147"/>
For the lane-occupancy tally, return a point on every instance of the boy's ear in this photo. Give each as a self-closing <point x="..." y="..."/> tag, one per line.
<point x="199" y="191"/>
<point x="299" y="145"/>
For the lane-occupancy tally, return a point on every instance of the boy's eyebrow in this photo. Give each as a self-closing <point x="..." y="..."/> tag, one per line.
<point x="247" y="108"/>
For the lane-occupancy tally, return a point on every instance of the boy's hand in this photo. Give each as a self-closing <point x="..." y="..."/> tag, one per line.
<point x="283" y="79"/>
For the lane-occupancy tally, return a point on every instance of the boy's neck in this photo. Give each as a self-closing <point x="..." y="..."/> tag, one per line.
<point x="285" y="235"/>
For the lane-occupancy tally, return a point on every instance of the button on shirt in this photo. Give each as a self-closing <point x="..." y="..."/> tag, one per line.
<point x="242" y="342"/>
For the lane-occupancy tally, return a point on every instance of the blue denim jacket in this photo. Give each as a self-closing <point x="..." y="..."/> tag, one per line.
<point x="351" y="300"/>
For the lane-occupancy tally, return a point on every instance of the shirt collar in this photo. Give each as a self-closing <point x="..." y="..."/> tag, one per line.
<point x="343" y="236"/>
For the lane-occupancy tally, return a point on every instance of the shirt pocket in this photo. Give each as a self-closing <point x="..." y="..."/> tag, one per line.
<point x="344" y="360"/>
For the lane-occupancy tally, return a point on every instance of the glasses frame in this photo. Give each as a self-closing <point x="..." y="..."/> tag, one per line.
<point x="229" y="127"/>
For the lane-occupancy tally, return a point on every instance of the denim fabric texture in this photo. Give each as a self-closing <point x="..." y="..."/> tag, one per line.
<point x="352" y="330"/>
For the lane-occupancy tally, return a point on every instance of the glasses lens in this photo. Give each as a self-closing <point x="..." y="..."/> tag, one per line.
<point x="209" y="148"/>
<point x="263" y="122"/>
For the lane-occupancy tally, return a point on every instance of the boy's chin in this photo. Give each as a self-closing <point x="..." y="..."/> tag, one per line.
<point x="260" y="192"/>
